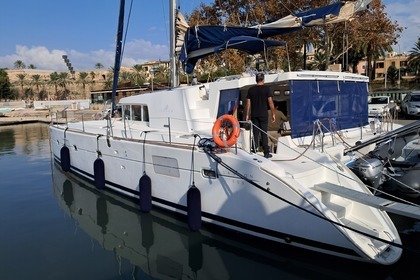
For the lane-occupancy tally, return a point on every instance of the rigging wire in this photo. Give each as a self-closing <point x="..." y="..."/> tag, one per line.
<point x="126" y="32"/>
<point x="164" y="20"/>
<point x="288" y="9"/>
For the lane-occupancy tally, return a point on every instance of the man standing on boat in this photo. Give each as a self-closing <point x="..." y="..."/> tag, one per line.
<point x="259" y="96"/>
<point x="275" y="128"/>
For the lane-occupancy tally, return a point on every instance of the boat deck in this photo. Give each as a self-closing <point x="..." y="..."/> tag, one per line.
<point x="383" y="204"/>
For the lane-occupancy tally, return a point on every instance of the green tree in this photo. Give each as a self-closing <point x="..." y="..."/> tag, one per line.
<point x="369" y="33"/>
<point x="139" y="75"/>
<point x="320" y="60"/>
<point x="36" y="81"/>
<point x="19" y="64"/>
<point x="5" y="91"/>
<point x="161" y="74"/>
<point x="392" y="74"/>
<point x="414" y="57"/>
<point x="99" y="65"/>
<point x="55" y="82"/>
<point x="92" y="76"/>
<point x="31" y="66"/>
<point x="83" y="79"/>
<point x="64" y="81"/>
<point x="21" y="80"/>
<point x="109" y="78"/>
<point x="125" y="76"/>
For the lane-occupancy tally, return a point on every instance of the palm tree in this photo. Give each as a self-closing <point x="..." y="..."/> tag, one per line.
<point x="36" y="81"/>
<point x="139" y="76"/>
<point x="19" y="64"/>
<point x="64" y="80"/>
<point x="414" y="57"/>
<point x="92" y="75"/>
<point x="373" y="50"/>
<point x="320" y="60"/>
<point x="55" y="81"/>
<point x="83" y="80"/>
<point x="125" y="76"/>
<point x="99" y="65"/>
<point x="109" y="79"/>
<point x="21" y="78"/>
<point x="162" y="74"/>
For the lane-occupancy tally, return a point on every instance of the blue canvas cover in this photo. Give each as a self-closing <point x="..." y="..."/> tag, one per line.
<point x="247" y="44"/>
<point x="212" y="39"/>
<point x="336" y="104"/>
<point x="319" y="13"/>
<point x="201" y="41"/>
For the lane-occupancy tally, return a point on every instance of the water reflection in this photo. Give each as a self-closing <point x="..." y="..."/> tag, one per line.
<point x="28" y="139"/>
<point x="160" y="245"/>
<point x="7" y="141"/>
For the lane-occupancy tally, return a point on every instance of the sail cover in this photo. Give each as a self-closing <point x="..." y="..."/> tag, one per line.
<point x="201" y="41"/>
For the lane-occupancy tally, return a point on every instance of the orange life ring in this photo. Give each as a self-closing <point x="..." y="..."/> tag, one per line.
<point x="226" y="131"/>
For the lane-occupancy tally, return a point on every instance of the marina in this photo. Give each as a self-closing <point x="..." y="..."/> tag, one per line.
<point x="175" y="182"/>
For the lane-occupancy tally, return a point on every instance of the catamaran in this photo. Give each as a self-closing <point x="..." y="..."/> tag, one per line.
<point x="184" y="150"/>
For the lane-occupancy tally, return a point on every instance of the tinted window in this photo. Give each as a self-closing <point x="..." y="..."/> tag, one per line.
<point x="415" y="97"/>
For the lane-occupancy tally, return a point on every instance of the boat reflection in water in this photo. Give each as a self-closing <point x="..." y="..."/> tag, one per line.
<point x="160" y="244"/>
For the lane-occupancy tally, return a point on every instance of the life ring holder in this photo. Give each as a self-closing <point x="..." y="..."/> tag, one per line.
<point x="226" y="131"/>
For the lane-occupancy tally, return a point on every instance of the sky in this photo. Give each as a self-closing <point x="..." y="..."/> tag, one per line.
<point x="40" y="32"/>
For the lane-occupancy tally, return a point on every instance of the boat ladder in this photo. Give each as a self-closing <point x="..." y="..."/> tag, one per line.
<point x="383" y="204"/>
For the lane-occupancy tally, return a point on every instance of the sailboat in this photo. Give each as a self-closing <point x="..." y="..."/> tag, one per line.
<point x="184" y="150"/>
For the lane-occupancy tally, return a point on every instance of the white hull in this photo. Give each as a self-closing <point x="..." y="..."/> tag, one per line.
<point x="272" y="199"/>
<point x="162" y="246"/>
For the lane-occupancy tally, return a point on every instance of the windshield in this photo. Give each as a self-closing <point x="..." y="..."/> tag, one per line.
<point x="379" y="100"/>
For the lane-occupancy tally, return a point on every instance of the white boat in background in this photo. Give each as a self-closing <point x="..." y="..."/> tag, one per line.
<point x="183" y="150"/>
<point x="394" y="164"/>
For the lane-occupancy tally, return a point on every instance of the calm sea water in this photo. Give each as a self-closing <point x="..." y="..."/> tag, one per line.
<point x="54" y="226"/>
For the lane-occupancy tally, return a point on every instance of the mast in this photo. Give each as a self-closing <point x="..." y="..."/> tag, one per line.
<point x="172" y="55"/>
<point x="118" y="53"/>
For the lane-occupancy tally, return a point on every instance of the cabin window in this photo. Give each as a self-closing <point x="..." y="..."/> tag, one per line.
<point x="136" y="112"/>
<point x="145" y="114"/>
<point x="166" y="166"/>
<point x="228" y="102"/>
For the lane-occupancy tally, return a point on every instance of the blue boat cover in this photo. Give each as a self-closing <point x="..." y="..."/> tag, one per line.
<point x="335" y="104"/>
<point x="201" y="41"/>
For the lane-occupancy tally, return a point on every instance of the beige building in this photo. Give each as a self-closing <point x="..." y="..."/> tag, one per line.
<point x="391" y="59"/>
<point x="153" y="66"/>
<point x="400" y="61"/>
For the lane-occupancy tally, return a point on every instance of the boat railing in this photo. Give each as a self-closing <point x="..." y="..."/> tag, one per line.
<point x="319" y="129"/>
<point x="253" y="147"/>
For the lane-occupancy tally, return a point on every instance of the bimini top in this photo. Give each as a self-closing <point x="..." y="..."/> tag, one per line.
<point x="200" y="41"/>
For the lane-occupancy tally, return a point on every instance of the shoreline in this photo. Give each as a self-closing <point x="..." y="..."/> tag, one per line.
<point x="45" y="116"/>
